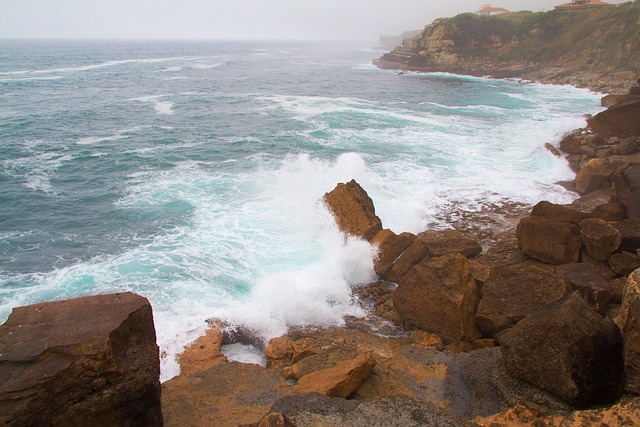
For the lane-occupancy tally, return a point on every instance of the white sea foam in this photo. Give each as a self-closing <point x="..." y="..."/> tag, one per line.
<point x="163" y="107"/>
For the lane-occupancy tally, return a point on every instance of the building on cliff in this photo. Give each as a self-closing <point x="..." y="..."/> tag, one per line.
<point x="487" y="9"/>
<point x="584" y="4"/>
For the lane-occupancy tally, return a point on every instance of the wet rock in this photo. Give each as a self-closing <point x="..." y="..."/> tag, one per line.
<point x="279" y="352"/>
<point x="440" y="295"/>
<point x="85" y="361"/>
<point x="445" y="242"/>
<point x="275" y="419"/>
<point x="203" y="352"/>
<point x="570" y="143"/>
<point x="557" y="212"/>
<point x="338" y="381"/>
<point x="629" y="322"/>
<point x="593" y="288"/>
<point x="569" y="350"/>
<point x="600" y="238"/>
<point x="548" y="240"/>
<point x="377" y="298"/>
<point x="594" y="174"/>
<point x="390" y="247"/>
<point x="626" y="189"/>
<point x="620" y="120"/>
<point x="515" y="292"/>
<point x="353" y="210"/>
<point x="552" y="149"/>
<point x="417" y="251"/>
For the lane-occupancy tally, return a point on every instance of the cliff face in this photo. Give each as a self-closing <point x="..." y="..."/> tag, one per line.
<point x="590" y="48"/>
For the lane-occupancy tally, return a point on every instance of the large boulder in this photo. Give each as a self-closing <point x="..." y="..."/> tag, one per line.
<point x="593" y="175"/>
<point x="569" y="350"/>
<point x="445" y="242"/>
<point x="549" y="240"/>
<point x="629" y="322"/>
<point x="516" y="291"/>
<point x="600" y="238"/>
<point x="86" y="361"/>
<point x="353" y="210"/>
<point x="557" y="212"/>
<point x="620" y="120"/>
<point x="390" y="247"/>
<point x="338" y="381"/>
<point x="417" y="251"/>
<point x="588" y="283"/>
<point x="439" y="295"/>
<point x="626" y="189"/>
<point x="630" y="234"/>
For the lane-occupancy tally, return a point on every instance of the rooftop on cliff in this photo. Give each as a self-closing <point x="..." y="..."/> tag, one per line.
<point x="583" y="5"/>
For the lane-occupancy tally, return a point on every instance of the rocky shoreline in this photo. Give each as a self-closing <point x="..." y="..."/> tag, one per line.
<point x="535" y="325"/>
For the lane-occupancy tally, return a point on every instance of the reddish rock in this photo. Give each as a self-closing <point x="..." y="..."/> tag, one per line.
<point x="569" y="350"/>
<point x="593" y="288"/>
<point x="570" y="143"/>
<point x="620" y="120"/>
<point x="439" y="295"/>
<point x="390" y="247"/>
<point x="594" y="174"/>
<point x="279" y="352"/>
<point x="203" y="353"/>
<point x="624" y="263"/>
<point x="339" y="381"/>
<point x="629" y="322"/>
<point x="353" y="210"/>
<point x="275" y="419"/>
<point x="556" y="212"/>
<point x="445" y="242"/>
<point x="515" y="292"/>
<point x="601" y="267"/>
<point x="548" y="240"/>
<point x="86" y="361"/>
<point x="600" y="238"/>
<point x="417" y="251"/>
<point x="626" y="189"/>
<point x="377" y="298"/>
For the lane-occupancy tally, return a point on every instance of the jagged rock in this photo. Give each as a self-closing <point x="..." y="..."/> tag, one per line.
<point x="629" y="322"/>
<point x="593" y="288"/>
<point x="593" y="175"/>
<point x="440" y="295"/>
<point x="569" y="350"/>
<point x="628" y="145"/>
<point x="203" y="353"/>
<point x="279" y="352"/>
<point x="275" y="419"/>
<point x="556" y="212"/>
<point x="602" y="268"/>
<point x="515" y="292"/>
<point x="548" y="240"/>
<point x="552" y="149"/>
<point x="314" y="409"/>
<point x="600" y="238"/>
<point x="390" y="247"/>
<point x="624" y="263"/>
<point x="445" y="242"/>
<point x="626" y="189"/>
<point x="85" y="361"/>
<point x="417" y="251"/>
<point x="338" y="381"/>
<point x="620" y="120"/>
<point x="353" y="210"/>
<point x="630" y="234"/>
<point x="609" y="212"/>
<point x="570" y="143"/>
<point x="378" y="299"/>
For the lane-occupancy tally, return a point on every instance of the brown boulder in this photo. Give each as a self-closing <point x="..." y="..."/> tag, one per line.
<point x="626" y="189"/>
<point x="548" y="240"/>
<point x="600" y="238"/>
<point x="569" y="350"/>
<point x="630" y="234"/>
<point x="619" y="120"/>
<point x="593" y="175"/>
<point x="624" y="263"/>
<point x="584" y="279"/>
<point x="417" y="251"/>
<point x="440" y="295"/>
<point x="570" y="143"/>
<point x="338" y="381"/>
<point x="629" y="322"/>
<point x="445" y="242"/>
<point x="203" y="353"/>
<point x="556" y="212"/>
<point x="353" y="210"/>
<point x="609" y="212"/>
<point x="86" y="361"/>
<point x="390" y="246"/>
<point x="515" y="292"/>
<point x="275" y="419"/>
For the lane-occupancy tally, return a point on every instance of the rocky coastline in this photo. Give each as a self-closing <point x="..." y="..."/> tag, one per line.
<point x="535" y="325"/>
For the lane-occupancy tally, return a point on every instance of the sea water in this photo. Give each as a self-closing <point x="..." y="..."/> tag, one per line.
<point x="191" y="172"/>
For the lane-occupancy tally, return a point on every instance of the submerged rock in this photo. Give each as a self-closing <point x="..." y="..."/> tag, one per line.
<point x="86" y="361"/>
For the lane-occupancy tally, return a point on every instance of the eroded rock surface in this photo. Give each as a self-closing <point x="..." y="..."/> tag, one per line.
<point x="353" y="210"/>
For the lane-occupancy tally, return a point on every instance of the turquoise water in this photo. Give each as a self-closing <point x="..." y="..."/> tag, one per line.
<point x="190" y="172"/>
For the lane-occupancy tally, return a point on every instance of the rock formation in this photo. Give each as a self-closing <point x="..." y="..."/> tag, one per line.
<point x="86" y="361"/>
<point x="629" y="322"/>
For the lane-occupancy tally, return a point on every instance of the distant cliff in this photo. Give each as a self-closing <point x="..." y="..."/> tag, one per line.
<point x="587" y="48"/>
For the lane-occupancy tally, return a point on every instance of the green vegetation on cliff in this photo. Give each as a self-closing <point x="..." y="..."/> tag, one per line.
<point x="611" y="36"/>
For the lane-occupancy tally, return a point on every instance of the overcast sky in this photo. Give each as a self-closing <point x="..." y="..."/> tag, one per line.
<point x="232" y="19"/>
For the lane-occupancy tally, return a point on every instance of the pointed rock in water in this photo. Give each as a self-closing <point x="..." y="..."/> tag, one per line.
<point x="353" y="210"/>
<point x="89" y="361"/>
<point x="569" y="350"/>
<point x="629" y="322"/>
<point x="439" y="295"/>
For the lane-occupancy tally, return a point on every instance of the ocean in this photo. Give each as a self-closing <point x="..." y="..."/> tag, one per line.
<point x="190" y="172"/>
